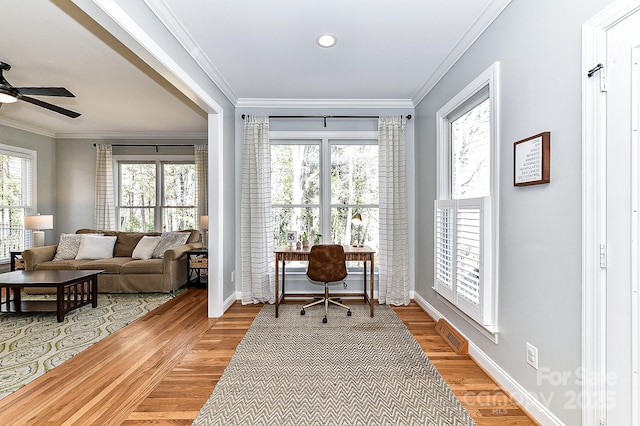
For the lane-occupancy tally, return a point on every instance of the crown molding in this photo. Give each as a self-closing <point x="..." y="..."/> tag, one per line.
<point x="101" y="135"/>
<point x="171" y="22"/>
<point x="125" y="135"/>
<point x="26" y="127"/>
<point x="325" y="103"/>
<point x="489" y="14"/>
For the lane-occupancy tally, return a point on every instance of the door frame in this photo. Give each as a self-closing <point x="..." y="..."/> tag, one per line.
<point x="594" y="238"/>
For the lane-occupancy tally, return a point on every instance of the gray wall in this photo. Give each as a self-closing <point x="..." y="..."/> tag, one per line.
<point x="76" y="163"/>
<point x="539" y="47"/>
<point x="45" y="194"/>
<point x="231" y="215"/>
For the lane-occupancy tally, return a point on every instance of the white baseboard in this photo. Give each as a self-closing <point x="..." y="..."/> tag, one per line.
<point x="506" y="382"/>
<point x="228" y="302"/>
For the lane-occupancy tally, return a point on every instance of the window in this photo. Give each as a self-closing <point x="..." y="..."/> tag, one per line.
<point x="156" y="195"/>
<point x="465" y="211"/>
<point x="16" y="182"/>
<point x="318" y="185"/>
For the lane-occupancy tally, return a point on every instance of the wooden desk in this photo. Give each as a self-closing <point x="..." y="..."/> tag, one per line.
<point x="359" y="254"/>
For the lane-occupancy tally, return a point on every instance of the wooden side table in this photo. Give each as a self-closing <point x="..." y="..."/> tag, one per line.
<point x="17" y="262"/>
<point x="197" y="267"/>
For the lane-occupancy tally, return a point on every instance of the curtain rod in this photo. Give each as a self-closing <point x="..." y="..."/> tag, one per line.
<point x="324" y="117"/>
<point x="155" y="145"/>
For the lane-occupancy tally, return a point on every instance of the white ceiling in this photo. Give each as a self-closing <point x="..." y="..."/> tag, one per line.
<point x="386" y="50"/>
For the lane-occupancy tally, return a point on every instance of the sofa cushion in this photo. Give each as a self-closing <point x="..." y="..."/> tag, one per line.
<point x="194" y="236"/>
<point x="53" y="265"/>
<point x="110" y="266"/>
<point x="169" y="240"/>
<point x="145" y="247"/>
<point x="96" y="247"/>
<point x="126" y="243"/>
<point x="97" y="231"/>
<point x="67" y="247"/>
<point x="147" y="266"/>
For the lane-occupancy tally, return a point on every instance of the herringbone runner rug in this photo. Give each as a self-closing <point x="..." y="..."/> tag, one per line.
<point x="295" y="370"/>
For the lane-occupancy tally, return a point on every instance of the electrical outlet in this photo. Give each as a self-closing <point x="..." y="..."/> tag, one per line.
<point x="233" y="276"/>
<point x="532" y="356"/>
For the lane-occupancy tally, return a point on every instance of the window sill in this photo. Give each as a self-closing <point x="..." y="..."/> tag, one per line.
<point x="489" y="332"/>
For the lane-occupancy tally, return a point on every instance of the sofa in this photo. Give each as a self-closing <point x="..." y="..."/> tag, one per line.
<point x="125" y="270"/>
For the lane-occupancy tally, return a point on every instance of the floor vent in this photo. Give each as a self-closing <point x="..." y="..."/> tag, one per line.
<point x="452" y="337"/>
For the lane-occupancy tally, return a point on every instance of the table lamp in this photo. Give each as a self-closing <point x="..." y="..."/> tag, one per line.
<point x="204" y="225"/>
<point x="356" y="220"/>
<point x="37" y="223"/>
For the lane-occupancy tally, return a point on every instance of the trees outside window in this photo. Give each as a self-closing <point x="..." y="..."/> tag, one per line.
<point x="16" y="179"/>
<point x="319" y="184"/>
<point x="156" y="196"/>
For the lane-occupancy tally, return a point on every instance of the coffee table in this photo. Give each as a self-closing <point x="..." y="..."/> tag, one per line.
<point x="73" y="289"/>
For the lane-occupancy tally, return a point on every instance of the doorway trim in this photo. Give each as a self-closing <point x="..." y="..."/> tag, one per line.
<point x="594" y="336"/>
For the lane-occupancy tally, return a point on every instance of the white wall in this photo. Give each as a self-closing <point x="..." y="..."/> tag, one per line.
<point x="539" y="47"/>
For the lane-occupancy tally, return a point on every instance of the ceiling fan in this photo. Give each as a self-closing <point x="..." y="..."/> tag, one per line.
<point x="10" y="94"/>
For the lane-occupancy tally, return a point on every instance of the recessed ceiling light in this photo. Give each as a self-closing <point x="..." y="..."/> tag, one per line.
<point x="326" y="40"/>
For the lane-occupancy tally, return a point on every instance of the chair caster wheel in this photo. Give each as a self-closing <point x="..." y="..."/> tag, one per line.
<point x="302" y="312"/>
<point x="349" y="313"/>
<point x="324" y="320"/>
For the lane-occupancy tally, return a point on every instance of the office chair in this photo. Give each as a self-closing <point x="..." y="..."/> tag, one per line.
<point x="327" y="267"/>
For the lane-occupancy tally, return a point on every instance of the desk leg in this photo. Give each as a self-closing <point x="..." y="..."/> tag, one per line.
<point x="283" y="292"/>
<point x="277" y="295"/>
<point x="372" y="285"/>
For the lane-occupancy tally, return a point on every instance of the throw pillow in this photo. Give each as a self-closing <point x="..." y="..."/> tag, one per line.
<point x="94" y="247"/>
<point x="144" y="248"/>
<point x="169" y="240"/>
<point x="68" y="247"/>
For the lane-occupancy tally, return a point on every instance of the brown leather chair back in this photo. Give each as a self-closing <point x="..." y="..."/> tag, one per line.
<point x="327" y="263"/>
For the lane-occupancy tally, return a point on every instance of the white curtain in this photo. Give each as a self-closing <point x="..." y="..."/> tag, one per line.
<point x="394" y="231"/>
<point x="105" y="209"/>
<point x="202" y="188"/>
<point x="256" y="240"/>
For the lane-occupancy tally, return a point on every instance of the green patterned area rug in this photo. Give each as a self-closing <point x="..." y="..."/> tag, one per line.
<point x="357" y="370"/>
<point x="33" y="343"/>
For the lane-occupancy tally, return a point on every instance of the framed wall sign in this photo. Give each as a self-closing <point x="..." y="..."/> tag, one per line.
<point x="532" y="160"/>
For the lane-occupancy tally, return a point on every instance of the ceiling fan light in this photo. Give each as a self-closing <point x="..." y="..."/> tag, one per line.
<point x="7" y="96"/>
<point x="326" y="40"/>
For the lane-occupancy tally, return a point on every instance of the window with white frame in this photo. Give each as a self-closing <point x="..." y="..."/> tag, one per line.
<point x="16" y="197"/>
<point x="466" y="206"/>
<point x="319" y="184"/>
<point x="155" y="195"/>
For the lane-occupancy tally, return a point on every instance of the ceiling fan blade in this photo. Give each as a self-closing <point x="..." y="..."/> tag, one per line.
<point x="45" y="91"/>
<point x="51" y="107"/>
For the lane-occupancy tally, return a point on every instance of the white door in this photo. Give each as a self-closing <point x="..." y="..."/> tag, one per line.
<point x="621" y="224"/>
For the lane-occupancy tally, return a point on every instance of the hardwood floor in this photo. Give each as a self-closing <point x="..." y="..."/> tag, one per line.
<point x="162" y="368"/>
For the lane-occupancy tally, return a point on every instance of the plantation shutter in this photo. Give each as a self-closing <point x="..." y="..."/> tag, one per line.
<point x="16" y="180"/>
<point x="461" y="253"/>
<point x="444" y="250"/>
<point x="468" y="252"/>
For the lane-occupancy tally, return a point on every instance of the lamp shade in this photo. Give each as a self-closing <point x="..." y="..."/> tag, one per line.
<point x="356" y="219"/>
<point x="38" y="222"/>
<point x="204" y="222"/>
